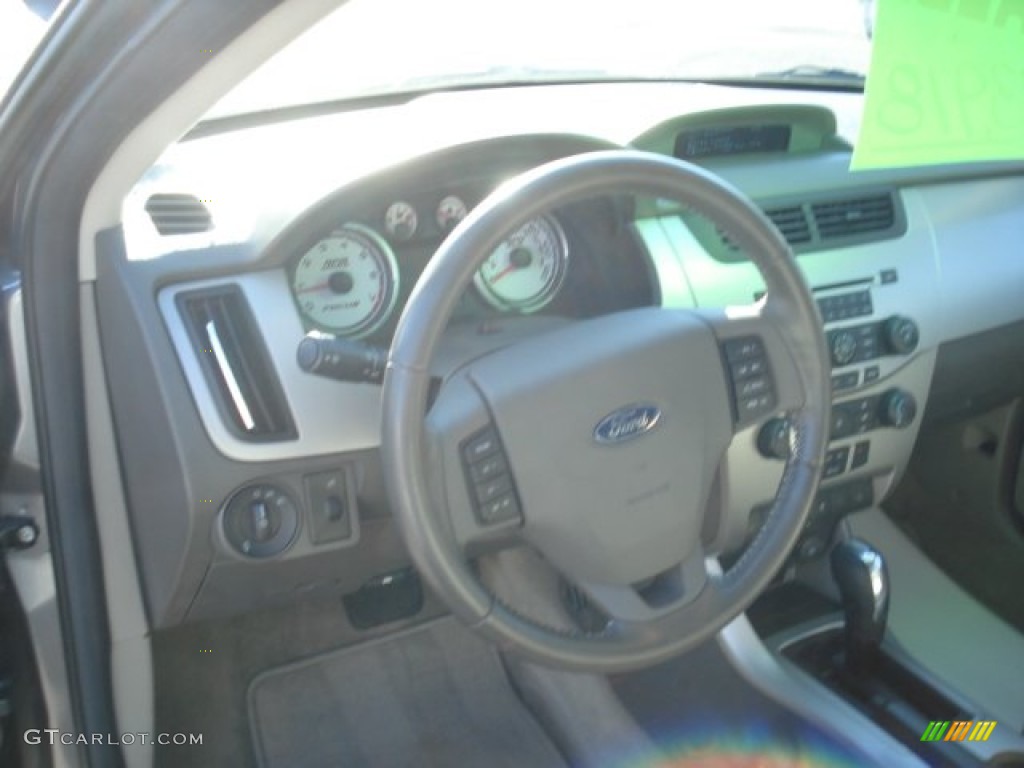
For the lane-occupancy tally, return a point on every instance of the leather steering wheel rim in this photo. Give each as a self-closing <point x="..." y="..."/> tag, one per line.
<point x="788" y="307"/>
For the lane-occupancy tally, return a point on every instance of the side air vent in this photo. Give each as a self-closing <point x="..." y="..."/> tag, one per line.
<point x="792" y="222"/>
<point x="236" y="364"/>
<point x="855" y="216"/>
<point x="178" y="214"/>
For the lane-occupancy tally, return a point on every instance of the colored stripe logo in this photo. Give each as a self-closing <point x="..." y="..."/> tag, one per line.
<point x="958" y="730"/>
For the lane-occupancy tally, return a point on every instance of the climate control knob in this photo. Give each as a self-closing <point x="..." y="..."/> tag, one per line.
<point x="901" y="335"/>
<point x="773" y="439"/>
<point x="843" y="346"/>
<point x="897" y="408"/>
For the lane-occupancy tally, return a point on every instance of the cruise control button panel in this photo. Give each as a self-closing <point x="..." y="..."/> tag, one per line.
<point x="752" y="387"/>
<point x="489" y="479"/>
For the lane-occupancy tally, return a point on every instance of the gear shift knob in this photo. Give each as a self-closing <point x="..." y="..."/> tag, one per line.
<point x="860" y="573"/>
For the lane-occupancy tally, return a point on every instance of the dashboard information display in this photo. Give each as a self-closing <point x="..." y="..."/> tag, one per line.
<point x="738" y="140"/>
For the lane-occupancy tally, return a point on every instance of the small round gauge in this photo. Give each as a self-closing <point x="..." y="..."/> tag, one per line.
<point x="525" y="272"/>
<point x="400" y="221"/>
<point x="450" y="211"/>
<point x="348" y="282"/>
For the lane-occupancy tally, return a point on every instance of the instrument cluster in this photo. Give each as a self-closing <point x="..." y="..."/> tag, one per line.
<point x="349" y="282"/>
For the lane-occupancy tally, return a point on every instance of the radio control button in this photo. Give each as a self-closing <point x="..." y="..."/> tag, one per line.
<point x="843" y="345"/>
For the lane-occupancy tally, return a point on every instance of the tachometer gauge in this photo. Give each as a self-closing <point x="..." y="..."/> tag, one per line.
<point x="348" y="282"/>
<point x="525" y="272"/>
<point x="400" y="221"/>
<point x="450" y="211"/>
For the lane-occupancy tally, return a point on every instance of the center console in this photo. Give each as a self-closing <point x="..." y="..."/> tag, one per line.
<point x="882" y="355"/>
<point x="862" y="676"/>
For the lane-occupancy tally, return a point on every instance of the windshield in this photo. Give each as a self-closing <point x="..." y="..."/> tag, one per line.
<point x="20" y="32"/>
<point x="377" y="47"/>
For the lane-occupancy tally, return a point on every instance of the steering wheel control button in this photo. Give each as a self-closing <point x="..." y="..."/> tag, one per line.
<point x="746" y="368"/>
<point x="501" y="510"/>
<point x="747" y="348"/>
<point x="260" y="520"/>
<point x="753" y="390"/>
<point x="481" y="446"/>
<point x="748" y="388"/>
<point x="488" y="491"/>
<point x="861" y="453"/>
<point x="331" y="506"/>
<point x="490" y="482"/>
<point x="835" y="461"/>
<point x="487" y="469"/>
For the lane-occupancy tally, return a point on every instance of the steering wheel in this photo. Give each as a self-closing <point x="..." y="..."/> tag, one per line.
<point x="598" y="443"/>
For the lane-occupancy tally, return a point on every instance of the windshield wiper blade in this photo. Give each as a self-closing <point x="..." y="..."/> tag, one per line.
<point x="811" y="72"/>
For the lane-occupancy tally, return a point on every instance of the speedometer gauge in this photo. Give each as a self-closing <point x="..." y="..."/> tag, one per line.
<point x="348" y="282"/>
<point x="525" y="272"/>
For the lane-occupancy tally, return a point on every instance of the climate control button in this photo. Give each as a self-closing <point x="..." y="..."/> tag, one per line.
<point x="897" y="409"/>
<point x="901" y="335"/>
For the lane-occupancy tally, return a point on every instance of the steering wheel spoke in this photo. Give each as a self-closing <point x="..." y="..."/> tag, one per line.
<point x="472" y="483"/>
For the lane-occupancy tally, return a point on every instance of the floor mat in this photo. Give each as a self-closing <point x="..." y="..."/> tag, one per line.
<point x="434" y="696"/>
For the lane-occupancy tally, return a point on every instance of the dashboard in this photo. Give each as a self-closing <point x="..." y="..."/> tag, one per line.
<point x="252" y="479"/>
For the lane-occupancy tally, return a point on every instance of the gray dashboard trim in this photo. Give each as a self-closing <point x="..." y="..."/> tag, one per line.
<point x="25" y="450"/>
<point x="330" y="416"/>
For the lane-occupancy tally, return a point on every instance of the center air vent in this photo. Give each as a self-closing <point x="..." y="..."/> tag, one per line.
<point x="855" y="216"/>
<point x="236" y="364"/>
<point x="809" y="225"/>
<point x="178" y="214"/>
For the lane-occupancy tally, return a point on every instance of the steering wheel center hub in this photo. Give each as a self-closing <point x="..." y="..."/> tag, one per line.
<point x="613" y="429"/>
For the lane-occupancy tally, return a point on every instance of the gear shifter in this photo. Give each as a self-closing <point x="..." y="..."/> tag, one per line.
<point x="863" y="581"/>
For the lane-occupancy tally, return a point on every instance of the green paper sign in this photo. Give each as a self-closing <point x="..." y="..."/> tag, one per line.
<point x="946" y="84"/>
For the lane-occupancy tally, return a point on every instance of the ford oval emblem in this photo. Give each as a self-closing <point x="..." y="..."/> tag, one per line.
<point x="627" y="423"/>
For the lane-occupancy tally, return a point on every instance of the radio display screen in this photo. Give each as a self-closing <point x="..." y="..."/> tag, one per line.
<point x="737" y="140"/>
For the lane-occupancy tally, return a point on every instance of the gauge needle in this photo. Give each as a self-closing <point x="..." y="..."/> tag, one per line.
<point x="317" y="287"/>
<point x="505" y="271"/>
